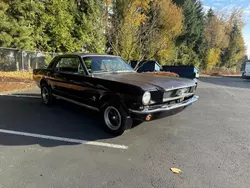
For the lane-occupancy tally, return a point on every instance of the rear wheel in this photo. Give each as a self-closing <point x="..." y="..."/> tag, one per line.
<point x="46" y="94"/>
<point x="115" y="118"/>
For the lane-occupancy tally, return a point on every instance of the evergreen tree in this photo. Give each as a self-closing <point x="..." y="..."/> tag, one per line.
<point x="89" y="27"/>
<point x="5" y="26"/>
<point x="190" y="43"/>
<point x="53" y="25"/>
<point x="57" y="23"/>
<point x="16" y="28"/>
<point x="210" y="14"/>
<point x="236" y="49"/>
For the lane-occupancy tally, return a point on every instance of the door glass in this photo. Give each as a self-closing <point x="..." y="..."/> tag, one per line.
<point x="69" y="65"/>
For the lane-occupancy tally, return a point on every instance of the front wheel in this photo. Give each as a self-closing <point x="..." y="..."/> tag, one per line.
<point x="116" y="118"/>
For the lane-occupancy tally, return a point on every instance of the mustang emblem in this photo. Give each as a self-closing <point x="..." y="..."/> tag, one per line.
<point x="181" y="92"/>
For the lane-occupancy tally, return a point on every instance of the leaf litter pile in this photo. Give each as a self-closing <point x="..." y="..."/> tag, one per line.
<point x="12" y="81"/>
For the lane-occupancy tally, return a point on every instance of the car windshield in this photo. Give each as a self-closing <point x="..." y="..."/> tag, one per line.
<point x="100" y="64"/>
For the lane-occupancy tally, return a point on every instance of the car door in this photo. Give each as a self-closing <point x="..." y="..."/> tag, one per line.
<point x="72" y="81"/>
<point x="93" y="86"/>
<point x="66" y="74"/>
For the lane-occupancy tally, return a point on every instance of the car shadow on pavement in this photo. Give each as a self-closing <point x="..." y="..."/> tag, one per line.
<point x="62" y="119"/>
<point x="227" y="81"/>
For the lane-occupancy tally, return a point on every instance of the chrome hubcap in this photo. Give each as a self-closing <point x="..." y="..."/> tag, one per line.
<point x="112" y="118"/>
<point x="45" y="95"/>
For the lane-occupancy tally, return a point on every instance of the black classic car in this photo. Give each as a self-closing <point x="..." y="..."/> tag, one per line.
<point x="108" y="84"/>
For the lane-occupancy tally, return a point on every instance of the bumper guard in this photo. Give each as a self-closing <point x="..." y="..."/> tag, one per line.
<point x="167" y="107"/>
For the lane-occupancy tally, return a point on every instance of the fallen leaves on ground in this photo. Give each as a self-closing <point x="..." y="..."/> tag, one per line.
<point x="10" y="81"/>
<point x="164" y="73"/>
<point x="221" y="73"/>
<point x="16" y="74"/>
<point x="5" y="87"/>
<point x="175" y="170"/>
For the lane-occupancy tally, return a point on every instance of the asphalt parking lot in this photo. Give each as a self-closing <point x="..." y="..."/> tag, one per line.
<point x="65" y="146"/>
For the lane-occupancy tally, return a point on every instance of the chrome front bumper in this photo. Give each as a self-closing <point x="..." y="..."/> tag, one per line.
<point x="167" y="107"/>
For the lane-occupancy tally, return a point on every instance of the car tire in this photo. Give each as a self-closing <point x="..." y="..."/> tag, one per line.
<point x="116" y="119"/>
<point x="46" y="94"/>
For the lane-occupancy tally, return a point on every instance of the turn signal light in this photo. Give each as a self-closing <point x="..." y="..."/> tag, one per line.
<point x="148" y="118"/>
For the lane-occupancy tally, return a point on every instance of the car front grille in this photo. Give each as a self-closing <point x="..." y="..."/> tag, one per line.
<point x="178" y="94"/>
<point x="171" y="102"/>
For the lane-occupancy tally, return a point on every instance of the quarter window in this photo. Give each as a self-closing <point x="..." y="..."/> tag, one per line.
<point x="69" y="65"/>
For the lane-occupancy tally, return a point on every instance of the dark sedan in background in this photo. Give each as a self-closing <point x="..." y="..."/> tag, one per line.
<point x="184" y="71"/>
<point x="108" y="84"/>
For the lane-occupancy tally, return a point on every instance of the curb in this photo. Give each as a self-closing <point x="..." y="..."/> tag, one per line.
<point x="221" y="76"/>
<point x="16" y="91"/>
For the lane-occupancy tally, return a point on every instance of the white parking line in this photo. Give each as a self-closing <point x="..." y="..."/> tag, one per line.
<point x="71" y="140"/>
<point x="21" y="96"/>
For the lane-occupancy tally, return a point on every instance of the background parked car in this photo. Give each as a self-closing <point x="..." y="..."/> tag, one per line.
<point x="184" y="71"/>
<point x="245" y="70"/>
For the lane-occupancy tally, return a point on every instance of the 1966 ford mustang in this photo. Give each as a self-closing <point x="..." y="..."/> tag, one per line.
<point x="109" y="85"/>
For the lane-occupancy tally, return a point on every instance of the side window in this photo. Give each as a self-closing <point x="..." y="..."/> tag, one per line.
<point x="69" y="65"/>
<point x="88" y="63"/>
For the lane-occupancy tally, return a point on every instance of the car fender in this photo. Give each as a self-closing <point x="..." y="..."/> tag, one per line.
<point x="105" y="97"/>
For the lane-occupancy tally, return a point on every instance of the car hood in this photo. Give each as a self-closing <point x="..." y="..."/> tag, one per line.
<point x="147" y="81"/>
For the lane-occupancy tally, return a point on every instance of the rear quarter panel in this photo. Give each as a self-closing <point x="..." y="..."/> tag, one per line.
<point x="38" y="75"/>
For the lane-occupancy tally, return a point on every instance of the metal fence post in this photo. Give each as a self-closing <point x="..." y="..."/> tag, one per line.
<point x="13" y="59"/>
<point x="29" y="67"/>
<point x="16" y="61"/>
<point x="22" y="61"/>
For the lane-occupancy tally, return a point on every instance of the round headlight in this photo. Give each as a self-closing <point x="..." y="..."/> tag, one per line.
<point x="146" y="98"/>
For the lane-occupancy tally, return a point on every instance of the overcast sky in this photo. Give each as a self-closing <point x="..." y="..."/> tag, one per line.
<point x="227" y="4"/>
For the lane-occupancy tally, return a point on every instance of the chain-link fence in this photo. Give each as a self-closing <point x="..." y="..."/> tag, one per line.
<point x="12" y="59"/>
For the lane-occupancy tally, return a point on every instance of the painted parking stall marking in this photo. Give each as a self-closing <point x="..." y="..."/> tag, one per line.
<point x="71" y="140"/>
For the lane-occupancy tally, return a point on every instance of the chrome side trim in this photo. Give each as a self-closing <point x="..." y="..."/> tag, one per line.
<point x="179" y="97"/>
<point x="75" y="102"/>
<point x="174" y="88"/>
<point x="167" y="107"/>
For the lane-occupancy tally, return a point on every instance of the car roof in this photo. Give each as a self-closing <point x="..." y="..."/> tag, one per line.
<point x="85" y="54"/>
